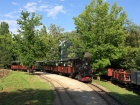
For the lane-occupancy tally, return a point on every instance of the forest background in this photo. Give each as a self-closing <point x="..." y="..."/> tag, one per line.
<point x="103" y="30"/>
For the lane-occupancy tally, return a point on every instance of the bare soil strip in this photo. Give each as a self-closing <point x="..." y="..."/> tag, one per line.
<point x="4" y="72"/>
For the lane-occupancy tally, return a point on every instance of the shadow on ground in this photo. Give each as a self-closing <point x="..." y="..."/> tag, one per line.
<point x="26" y="97"/>
<point x="43" y="97"/>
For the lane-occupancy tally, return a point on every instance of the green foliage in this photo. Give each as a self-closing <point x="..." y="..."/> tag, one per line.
<point x="138" y="59"/>
<point x="5" y="49"/>
<point x="75" y="46"/>
<point x="55" y="30"/>
<point x="55" y="36"/>
<point x="128" y="61"/>
<point x="27" y="39"/>
<point x="102" y="31"/>
<point x="4" y="28"/>
<point x="5" y="45"/>
<point x="47" y="46"/>
<point x="31" y="44"/>
<point x="132" y="43"/>
<point x="133" y="38"/>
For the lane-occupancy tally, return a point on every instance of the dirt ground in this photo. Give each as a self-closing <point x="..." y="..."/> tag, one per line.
<point x="80" y="92"/>
<point x="4" y="72"/>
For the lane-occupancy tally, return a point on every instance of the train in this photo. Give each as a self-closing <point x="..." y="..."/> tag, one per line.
<point x="80" y="69"/>
<point x="15" y="65"/>
<point x="77" y="68"/>
<point x="127" y="77"/>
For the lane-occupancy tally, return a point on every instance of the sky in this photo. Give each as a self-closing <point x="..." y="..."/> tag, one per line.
<point x="58" y="12"/>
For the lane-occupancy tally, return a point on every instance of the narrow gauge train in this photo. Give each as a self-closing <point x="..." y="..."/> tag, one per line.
<point x="15" y="65"/>
<point x="131" y="78"/>
<point x="74" y="68"/>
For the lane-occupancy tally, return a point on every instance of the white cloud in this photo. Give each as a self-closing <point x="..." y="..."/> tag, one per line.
<point x="31" y="7"/>
<point x="11" y="14"/>
<point x="51" y="10"/>
<point x="55" y="10"/>
<point x="43" y="7"/>
<point x="14" y="3"/>
<point x="39" y="1"/>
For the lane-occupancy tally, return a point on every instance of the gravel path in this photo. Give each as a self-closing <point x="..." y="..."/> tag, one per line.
<point x="78" y="91"/>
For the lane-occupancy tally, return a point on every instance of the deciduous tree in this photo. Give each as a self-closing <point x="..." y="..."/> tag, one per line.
<point x="27" y="48"/>
<point x="4" y="28"/>
<point x="102" y="31"/>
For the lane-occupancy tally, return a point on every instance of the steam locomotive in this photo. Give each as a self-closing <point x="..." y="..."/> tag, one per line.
<point x="78" y="68"/>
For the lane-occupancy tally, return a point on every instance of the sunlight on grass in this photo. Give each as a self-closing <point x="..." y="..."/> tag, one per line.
<point x="19" y="88"/>
<point x="122" y="94"/>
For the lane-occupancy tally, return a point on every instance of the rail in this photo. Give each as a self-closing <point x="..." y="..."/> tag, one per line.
<point x="59" y="90"/>
<point x="106" y="96"/>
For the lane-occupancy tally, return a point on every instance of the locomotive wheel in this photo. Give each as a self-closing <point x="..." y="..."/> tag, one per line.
<point x="60" y="74"/>
<point x="79" y="77"/>
<point x="72" y="76"/>
<point x="90" y="81"/>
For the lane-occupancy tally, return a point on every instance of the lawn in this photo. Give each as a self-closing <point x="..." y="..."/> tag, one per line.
<point x="126" y="96"/>
<point x="19" y="88"/>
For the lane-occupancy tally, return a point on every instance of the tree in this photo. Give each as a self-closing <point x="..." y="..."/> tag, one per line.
<point x="4" y="28"/>
<point x="27" y="47"/>
<point x="44" y="44"/>
<point x="56" y="36"/>
<point x="55" y="30"/>
<point x="5" y="45"/>
<point x="131" y="60"/>
<point x="133" y="38"/>
<point x="5" y="50"/>
<point x="102" y="31"/>
<point x="75" y="45"/>
<point x="137" y="60"/>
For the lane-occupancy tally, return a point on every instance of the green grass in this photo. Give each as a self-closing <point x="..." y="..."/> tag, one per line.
<point x="122" y="94"/>
<point x="19" y="88"/>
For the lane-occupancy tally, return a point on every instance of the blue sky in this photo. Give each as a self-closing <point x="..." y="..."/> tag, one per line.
<point x="58" y="12"/>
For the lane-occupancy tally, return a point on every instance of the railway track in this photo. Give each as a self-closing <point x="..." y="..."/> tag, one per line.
<point x="62" y="95"/>
<point x="108" y="98"/>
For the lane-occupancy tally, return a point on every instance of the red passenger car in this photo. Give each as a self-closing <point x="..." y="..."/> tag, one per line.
<point x="15" y="65"/>
<point x="121" y="76"/>
<point x="124" y="77"/>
